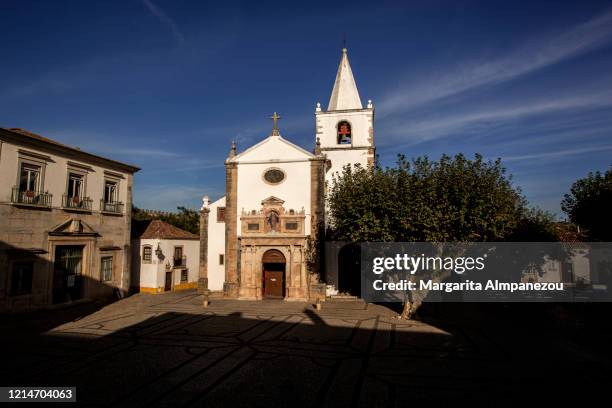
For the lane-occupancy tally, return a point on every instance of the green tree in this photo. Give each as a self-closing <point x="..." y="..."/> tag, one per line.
<point x="454" y="199"/>
<point x="185" y="218"/>
<point x="588" y="205"/>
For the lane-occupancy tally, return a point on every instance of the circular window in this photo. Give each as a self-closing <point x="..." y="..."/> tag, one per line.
<point x="274" y="176"/>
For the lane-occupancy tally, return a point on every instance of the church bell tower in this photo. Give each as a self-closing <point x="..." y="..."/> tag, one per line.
<point x="345" y="130"/>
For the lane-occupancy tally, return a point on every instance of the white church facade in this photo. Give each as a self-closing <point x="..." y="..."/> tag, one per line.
<point x="257" y="241"/>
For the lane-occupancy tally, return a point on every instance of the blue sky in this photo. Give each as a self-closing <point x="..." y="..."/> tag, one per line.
<point x="166" y="85"/>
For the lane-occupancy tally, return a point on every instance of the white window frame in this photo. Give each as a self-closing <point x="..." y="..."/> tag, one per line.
<point x="115" y="194"/>
<point x="32" y="159"/>
<point x="83" y="176"/>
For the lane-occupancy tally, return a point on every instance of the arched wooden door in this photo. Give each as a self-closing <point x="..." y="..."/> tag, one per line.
<point x="273" y="266"/>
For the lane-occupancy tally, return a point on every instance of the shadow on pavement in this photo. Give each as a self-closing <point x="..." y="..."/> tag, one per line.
<point x="340" y="356"/>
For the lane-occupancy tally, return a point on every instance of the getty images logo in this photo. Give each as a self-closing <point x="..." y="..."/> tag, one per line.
<point x="414" y="264"/>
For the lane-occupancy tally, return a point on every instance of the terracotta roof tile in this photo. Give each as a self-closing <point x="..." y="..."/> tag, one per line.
<point x="159" y="229"/>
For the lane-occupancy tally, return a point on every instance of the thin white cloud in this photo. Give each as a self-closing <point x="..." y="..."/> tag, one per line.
<point x="535" y="136"/>
<point x="111" y="148"/>
<point x="105" y="143"/>
<point x="559" y="154"/>
<point x="536" y="54"/>
<point x="165" y="20"/>
<point x="415" y="131"/>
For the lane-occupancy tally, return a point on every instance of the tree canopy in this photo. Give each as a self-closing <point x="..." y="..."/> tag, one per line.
<point x="588" y="205"/>
<point x="186" y="219"/>
<point x="452" y="199"/>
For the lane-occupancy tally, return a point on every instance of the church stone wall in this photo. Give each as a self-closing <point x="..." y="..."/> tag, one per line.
<point x="251" y="268"/>
<point x="230" y="286"/>
<point x="251" y="228"/>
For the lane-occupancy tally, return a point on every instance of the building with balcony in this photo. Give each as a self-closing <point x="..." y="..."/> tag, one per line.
<point x="165" y="258"/>
<point x="64" y="222"/>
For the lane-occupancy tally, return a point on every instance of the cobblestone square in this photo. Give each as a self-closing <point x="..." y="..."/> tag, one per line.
<point x="167" y="350"/>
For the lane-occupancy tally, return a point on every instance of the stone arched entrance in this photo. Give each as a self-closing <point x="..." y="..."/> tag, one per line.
<point x="273" y="265"/>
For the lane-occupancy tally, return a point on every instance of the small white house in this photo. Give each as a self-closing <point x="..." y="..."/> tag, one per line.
<point x="166" y="258"/>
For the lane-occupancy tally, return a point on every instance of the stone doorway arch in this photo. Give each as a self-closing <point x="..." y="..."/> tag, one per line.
<point x="273" y="265"/>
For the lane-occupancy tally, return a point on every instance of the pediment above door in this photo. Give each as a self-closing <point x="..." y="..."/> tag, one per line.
<point x="73" y="227"/>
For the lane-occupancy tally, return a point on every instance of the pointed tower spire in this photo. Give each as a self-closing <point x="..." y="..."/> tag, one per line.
<point x="345" y="94"/>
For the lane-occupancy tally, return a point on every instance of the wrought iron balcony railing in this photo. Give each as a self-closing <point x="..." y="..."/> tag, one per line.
<point x="115" y="207"/>
<point x="180" y="262"/>
<point x="33" y="198"/>
<point x="76" y="203"/>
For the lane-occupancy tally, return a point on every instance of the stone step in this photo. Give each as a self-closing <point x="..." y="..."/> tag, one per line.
<point x="344" y="298"/>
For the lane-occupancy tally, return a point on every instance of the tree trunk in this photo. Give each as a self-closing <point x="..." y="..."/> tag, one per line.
<point x="406" y="311"/>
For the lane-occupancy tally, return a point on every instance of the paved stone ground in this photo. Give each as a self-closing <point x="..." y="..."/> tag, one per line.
<point x="166" y="350"/>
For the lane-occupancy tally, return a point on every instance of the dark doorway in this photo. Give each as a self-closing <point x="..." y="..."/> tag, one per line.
<point x="273" y="263"/>
<point x="168" y="283"/>
<point x="68" y="274"/>
<point x="349" y="269"/>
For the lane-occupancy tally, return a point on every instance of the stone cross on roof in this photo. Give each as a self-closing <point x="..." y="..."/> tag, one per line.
<point x="275" y="117"/>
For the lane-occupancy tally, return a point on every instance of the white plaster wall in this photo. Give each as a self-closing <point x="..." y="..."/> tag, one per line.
<point x="294" y="190"/>
<point x="274" y="152"/>
<point x="580" y="262"/>
<point x="55" y="177"/>
<point x="150" y="273"/>
<point x="551" y="271"/>
<point x="273" y="148"/>
<point x="600" y="257"/>
<point x="191" y="249"/>
<point x="8" y="170"/>
<point x="581" y="266"/>
<point x="340" y="158"/>
<point x="216" y="246"/>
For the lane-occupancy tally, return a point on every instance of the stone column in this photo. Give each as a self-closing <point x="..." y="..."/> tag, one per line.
<point x="230" y="287"/>
<point x="317" y="228"/>
<point x="317" y="202"/>
<point x="203" y="271"/>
